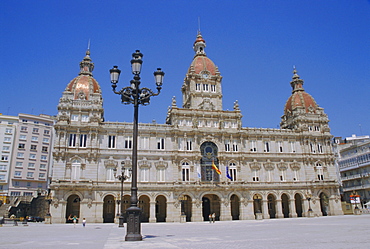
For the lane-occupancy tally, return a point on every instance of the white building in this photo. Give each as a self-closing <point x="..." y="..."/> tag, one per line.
<point x="354" y="167"/>
<point x="278" y="172"/>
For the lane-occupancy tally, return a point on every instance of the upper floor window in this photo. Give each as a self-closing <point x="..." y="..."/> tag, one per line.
<point x="22" y="137"/>
<point x="35" y="130"/>
<point x="8" y="131"/>
<point x="253" y="145"/>
<point x="205" y="88"/>
<point x="72" y="140"/>
<point x="292" y="147"/>
<point x="185" y="172"/>
<point x="83" y="138"/>
<point x="255" y="176"/>
<point x="280" y="146"/>
<point x="21" y="146"/>
<point x="319" y="171"/>
<point x="227" y="145"/>
<point x="144" y="174"/>
<point x="4" y="158"/>
<point x="111" y="141"/>
<point x="46" y="132"/>
<point x="74" y="117"/>
<point x="85" y="118"/>
<point x="160" y="143"/>
<point x="128" y="142"/>
<point x="319" y="148"/>
<point x="197" y="87"/>
<point x="232" y="172"/>
<point x="33" y="146"/>
<point x="189" y="144"/>
<point x="23" y="128"/>
<point x="34" y="138"/>
<point x="144" y="142"/>
<point x="45" y="140"/>
<point x="235" y="146"/>
<point x="267" y="147"/>
<point x="213" y="88"/>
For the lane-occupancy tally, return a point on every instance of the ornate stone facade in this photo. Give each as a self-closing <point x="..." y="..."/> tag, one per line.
<point x="268" y="173"/>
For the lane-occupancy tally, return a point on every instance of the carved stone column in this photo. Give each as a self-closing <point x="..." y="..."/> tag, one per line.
<point x="292" y="210"/>
<point x="196" y="211"/>
<point x="152" y="218"/>
<point x="225" y="210"/>
<point x="265" y="209"/>
<point x="279" y="209"/>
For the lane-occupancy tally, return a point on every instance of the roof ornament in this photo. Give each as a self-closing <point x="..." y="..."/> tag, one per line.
<point x="296" y="83"/>
<point x="86" y="65"/>
<point x="199" y="45"/>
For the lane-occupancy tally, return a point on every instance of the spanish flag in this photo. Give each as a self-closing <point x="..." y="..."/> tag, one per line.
<point x="215" y="168"/>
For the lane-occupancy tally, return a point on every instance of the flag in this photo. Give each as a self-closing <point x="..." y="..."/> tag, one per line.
<point x="198" y="171"/>
<point x="215" y="168"/>
<point x="227" y="173"/>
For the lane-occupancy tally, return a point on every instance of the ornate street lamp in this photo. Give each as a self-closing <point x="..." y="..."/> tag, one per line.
<point x="122" y="177"/>
<point x="309" y="196"/>
<point x="135" y="95"/>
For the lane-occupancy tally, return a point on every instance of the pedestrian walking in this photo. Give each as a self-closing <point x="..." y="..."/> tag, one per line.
<point x="213" y="217"/>
<point x="210" y="218"/>
<point x="74" y="219"/>
<point x="83" y="222"/>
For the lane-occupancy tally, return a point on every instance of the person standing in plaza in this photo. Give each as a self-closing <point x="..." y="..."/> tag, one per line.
<point x="74" y="219"/>
<point x="83" y="222"/>
<point x="213" y="217"/>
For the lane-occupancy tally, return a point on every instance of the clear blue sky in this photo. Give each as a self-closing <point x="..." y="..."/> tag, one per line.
<point x="254" y="43"/>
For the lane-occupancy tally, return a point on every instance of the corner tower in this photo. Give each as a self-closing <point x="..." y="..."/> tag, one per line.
<point x="82" y="99"/>
<point x="301" y="112"/>
<point x="202" y="84"/>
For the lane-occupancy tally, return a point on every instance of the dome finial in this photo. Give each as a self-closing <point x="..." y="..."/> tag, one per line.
<point x="199" y="45"/>
<point x="86" y="65"/>
<point x="296" y="83"/>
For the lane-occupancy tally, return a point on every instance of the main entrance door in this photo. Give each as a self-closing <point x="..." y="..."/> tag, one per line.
<point x="108" y="209"/>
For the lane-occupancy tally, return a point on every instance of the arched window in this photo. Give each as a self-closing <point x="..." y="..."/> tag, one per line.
<point x="76" y="170"/>
<point x="209" y="153"/>
<point x="185" y="172"/>
<point x="232" y="172"/>
<point x="319" y="171"/>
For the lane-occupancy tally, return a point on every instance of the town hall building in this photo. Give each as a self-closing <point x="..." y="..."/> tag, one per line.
<point x="265" y="173"/>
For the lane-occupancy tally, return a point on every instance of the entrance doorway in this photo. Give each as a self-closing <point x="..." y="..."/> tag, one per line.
<point x="211" y="204"/>
<point x="285" y="205"/>
<point x="73" y="207"/>
<point x="298" y="204"/>
<point x="235" y="207"/>
<point x="271" y="203"/>
<point x="144" y="205"/>
<point x="109" y="209"/>
<point x="324" y="204"/>
<point x="161" y="208"/>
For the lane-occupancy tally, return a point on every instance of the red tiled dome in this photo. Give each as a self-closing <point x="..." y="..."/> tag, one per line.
<point x="83" y="83"/>
<point x="203" y="63"/>
<point x="300" y="99"/>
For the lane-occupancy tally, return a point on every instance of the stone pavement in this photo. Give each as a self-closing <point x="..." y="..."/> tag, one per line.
<point x="348" y="231"/>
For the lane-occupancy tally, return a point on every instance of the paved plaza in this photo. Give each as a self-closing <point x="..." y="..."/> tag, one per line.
<point x="348" y="231"/>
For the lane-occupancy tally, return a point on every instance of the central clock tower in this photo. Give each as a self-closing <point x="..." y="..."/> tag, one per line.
<point x="202" y="84"/>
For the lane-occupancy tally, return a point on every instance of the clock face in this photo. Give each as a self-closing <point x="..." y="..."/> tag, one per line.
<point x="205" y="75"/>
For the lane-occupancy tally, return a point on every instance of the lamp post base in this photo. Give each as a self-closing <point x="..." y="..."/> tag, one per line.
<point x="133" y="224"/>
<point x="121" y="221"/>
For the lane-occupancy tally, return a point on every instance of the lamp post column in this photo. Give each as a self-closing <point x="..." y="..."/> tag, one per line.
<point x="133" y="212"/>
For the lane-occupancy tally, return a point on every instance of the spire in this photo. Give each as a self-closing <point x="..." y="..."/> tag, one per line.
<point x="296" y="83"/>
<point x="86" y="65"/>
<point x="199" y="45"/>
